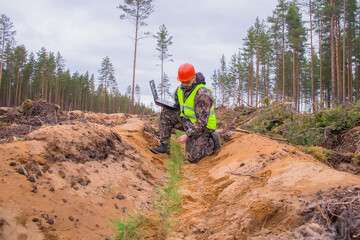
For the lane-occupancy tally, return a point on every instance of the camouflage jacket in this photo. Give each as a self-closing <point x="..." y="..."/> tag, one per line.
<point x="202" y="103"/>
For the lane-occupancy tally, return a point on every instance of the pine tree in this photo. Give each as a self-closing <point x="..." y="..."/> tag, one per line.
<point x="92" y="92"/>
<point x="234" y="76"/>
<point x="258" y="28"/>
<point x="28" y="76"/>
<point x="20" y="60"/>
<point x="163" y="42"/>
<point x="9" y="75"/>
<point x="224" y="83"/>
<point x="106" y="77"/>
<point x="265" y="58"/>
<point x="333" y="57"/>
<point x="279" y="18"/>
<point x="312" y="58"/>
<point x="39" y="77"/>
<point x="249" y="51"/>
<point x="6" y="38"/>
<point x="351" y="29"/>
<point x="128" y="90"/>
<point x="60" y="64"/>
<point x="136" y="11"/>
<point x="275" y="35"/>
<point x="138" y="93"/>
<point x="50" y="76"/>
<point x="215" y="84"/>
<point x="296" y="38"/>
<point x="165" y="86"/>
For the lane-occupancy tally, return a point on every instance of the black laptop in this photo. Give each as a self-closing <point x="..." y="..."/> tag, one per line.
<point x="159" y="101"/>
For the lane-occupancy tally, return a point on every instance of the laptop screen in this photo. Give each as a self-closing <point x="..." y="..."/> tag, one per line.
<point x="153" y="89"/>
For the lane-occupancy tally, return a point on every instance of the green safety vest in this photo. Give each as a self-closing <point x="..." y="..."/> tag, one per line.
<point x="187" y="109"/>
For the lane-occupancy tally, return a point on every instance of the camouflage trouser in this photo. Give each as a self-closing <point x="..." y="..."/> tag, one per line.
<point x="197" y="147"/>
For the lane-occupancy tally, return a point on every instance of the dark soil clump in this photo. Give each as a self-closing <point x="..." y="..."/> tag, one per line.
<point x="30" y="116"/>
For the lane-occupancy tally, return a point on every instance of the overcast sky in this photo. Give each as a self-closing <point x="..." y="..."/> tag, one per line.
<point x="86" y="31"/>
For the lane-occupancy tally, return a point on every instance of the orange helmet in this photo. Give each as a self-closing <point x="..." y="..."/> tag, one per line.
<point x="186" y="72"/>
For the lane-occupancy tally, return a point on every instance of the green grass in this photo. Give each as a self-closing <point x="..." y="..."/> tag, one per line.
<point x="319" y="153"/>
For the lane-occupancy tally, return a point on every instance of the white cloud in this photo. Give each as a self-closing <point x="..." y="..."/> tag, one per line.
<point x="84" y="32"/>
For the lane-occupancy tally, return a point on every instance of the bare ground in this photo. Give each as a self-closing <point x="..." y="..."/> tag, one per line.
<point x="65" y="180"/>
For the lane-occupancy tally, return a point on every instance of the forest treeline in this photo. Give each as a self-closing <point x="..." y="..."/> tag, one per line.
<point x="307" y="53"/>
<point x="43" y="75"/>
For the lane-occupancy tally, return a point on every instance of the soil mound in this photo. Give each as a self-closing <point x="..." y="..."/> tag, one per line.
<point x="257" y="188"/>
<point x="67" y="180"/>
<point x="81" y="142"/>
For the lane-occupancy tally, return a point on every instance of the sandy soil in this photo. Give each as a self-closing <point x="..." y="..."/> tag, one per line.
<point x="256" y="188"/>
<point x="66" y="181"/>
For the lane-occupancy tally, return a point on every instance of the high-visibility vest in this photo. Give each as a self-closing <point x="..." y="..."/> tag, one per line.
<point x="187" y="109"/>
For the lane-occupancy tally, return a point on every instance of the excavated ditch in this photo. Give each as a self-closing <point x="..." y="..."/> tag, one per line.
<point x="67" y="179"/>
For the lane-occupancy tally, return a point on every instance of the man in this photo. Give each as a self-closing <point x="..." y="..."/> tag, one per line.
<point x="195" y="116"/>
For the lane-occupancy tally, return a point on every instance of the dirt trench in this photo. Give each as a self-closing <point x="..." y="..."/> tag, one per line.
<point x="67" y="180"/>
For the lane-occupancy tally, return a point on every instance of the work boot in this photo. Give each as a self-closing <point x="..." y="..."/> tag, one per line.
<point x="216" y="139"/>
<point x="163" y="148"/>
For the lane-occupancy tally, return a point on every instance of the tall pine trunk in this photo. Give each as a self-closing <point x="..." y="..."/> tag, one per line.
<point x="17" y="87"/>
<point x="56" y="100"/>
<point x="134" y="67"/>
<point x="85" y="101"/>
<point x="20" y="90"/>
<point x="9" y="93"/>
<point x="251" y="82"/>
<point x="312" y="63"/>
<point x="283" y="59"/>
<point x="333" y="70"/>
<point x="344" y="57"/>
<point x="239" y="89"/>
<point x="277" y="70"/>
<point x="50" y="94"/>
<point x="320" y="62"/>
<point x="294" y="78"/>
<point x="338" y="61"/>
<point x="350" y="76"/>
<point x="357" y="79"/>
<point x="42" y="87"/>
<point x="162" y="76"/>
<point x="2" y="57"/>
<point x="257" y="79"/>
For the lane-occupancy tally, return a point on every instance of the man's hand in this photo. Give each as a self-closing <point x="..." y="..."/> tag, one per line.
<point x="182" y="138"/>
